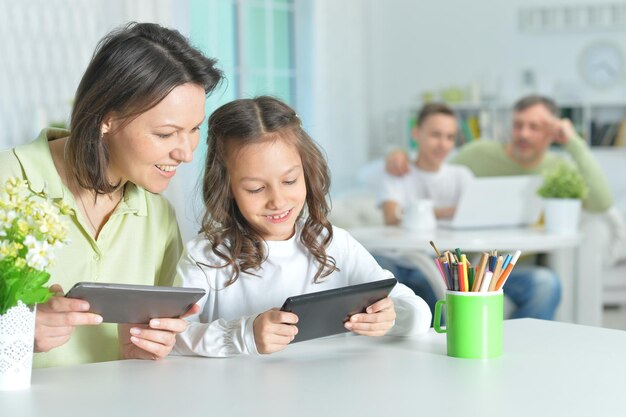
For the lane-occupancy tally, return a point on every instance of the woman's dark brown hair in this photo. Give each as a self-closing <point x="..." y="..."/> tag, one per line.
<point x="131" y="71"/>
<point x="244" y="122"/>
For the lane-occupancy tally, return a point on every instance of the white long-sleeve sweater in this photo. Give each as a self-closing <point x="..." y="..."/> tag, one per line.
<point x="224" y="325"/>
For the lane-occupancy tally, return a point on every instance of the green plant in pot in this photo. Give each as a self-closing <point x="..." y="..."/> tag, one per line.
<point x="563" y="190"/>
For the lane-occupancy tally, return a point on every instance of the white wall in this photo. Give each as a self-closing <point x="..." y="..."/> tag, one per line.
<point x="45" y="46"/>
<point x="339" y="95"/>
<point x="417" y="45"/>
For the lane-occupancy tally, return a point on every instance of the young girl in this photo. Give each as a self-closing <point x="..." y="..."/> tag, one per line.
<point x="265" y="236"/>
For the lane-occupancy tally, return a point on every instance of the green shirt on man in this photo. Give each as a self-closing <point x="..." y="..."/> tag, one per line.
<point x="488" y="158"/>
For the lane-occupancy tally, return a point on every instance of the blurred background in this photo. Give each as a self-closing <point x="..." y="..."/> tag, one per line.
<point x="355" y="70"/>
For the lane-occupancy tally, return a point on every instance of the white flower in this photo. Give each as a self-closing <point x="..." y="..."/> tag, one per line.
<point x="30" y="242"/>
<point x="30" y="226"/>
<point x="39" y="253"/>
<point x="6" y="218"/>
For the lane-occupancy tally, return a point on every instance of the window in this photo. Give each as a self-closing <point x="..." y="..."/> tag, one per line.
<point x="253" y="41"/>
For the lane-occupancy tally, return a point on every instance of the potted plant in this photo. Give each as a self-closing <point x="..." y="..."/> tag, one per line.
<point x="562" y="190"/>
<point x="30" y="230"/>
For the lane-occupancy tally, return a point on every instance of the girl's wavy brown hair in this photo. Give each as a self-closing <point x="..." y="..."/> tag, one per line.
<point x="231" y="127"/>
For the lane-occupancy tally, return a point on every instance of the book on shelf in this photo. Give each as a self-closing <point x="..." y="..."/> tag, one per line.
<point x="474" y="126"/>
<point x="620" y="137"/>
<point x="465" y="133"/>
<point x="608" y="134"/>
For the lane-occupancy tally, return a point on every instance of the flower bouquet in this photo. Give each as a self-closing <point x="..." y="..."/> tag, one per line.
<point x="30" y="230"/>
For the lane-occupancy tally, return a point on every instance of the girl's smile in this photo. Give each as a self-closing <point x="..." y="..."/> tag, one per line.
<point x="279" y="218"/>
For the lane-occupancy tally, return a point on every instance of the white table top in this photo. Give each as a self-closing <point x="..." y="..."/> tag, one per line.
<point x="548" y="368"/>
<point x="528" y="239"/>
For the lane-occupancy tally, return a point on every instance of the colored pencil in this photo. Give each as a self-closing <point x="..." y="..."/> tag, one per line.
<point x="465" y="277"/>
<point x="506" y="261"/>
<point x="462" y="286"/>
<point x="482" y="264"/>
<point x="496" y="273"/>
<point x="435" y="248"/>
<point x="443" y="274"/>
<point x="446" y="270"/>
<point x="454" y="270"/>
<point x="484" y="286"/>
<point x="507" y="271"/>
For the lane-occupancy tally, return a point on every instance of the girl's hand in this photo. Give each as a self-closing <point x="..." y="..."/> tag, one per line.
<point x="55" y="320"/>
<point x="154" y="340"/>
<point x="376" y="321"/>
<point x="274" y="330"/>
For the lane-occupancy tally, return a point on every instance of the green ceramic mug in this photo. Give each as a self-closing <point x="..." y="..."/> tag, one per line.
<point x="473" y="323"/>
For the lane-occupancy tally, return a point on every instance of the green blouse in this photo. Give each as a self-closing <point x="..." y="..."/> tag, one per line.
<point x="139" y="244"/>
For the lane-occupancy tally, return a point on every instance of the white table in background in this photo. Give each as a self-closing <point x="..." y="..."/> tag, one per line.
<point x="547" y="369"/>
<point x="581" y="300"/>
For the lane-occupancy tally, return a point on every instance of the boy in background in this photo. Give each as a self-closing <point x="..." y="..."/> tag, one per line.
<point x="428" y="177"/>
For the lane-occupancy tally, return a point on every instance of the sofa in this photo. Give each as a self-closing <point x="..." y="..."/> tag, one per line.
<point x="604" y="235"/>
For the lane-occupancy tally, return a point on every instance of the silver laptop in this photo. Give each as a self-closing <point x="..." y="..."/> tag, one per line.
<point x="510" y="201"/>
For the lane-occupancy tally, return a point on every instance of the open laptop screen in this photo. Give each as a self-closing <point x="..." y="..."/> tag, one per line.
<point x="509" y="201"/>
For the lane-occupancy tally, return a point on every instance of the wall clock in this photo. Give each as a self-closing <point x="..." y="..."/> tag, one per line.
<point x="601" y="64"/>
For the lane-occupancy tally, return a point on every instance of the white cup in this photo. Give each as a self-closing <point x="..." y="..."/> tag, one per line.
<point x="419" y="216"/>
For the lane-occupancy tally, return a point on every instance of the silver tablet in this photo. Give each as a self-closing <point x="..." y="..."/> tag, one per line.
<point x="125" y="303"/>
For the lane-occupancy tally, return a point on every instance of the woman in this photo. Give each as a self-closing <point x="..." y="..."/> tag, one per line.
<point x="136" y="117"/>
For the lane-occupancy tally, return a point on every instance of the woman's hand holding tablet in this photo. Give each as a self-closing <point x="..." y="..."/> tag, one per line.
<point x="151" y="316"/>
<point x="153" y="341"/>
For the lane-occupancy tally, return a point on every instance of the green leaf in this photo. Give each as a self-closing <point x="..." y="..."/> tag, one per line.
<point x="25" y="284"/>
<point x="564" y="181"/>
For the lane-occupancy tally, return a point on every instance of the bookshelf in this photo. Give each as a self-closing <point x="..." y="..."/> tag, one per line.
<point x="476" y="121"/>
<point x="601" y="124"/>
<point x="604" y="124"/>
<point x="482" y="121"/>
